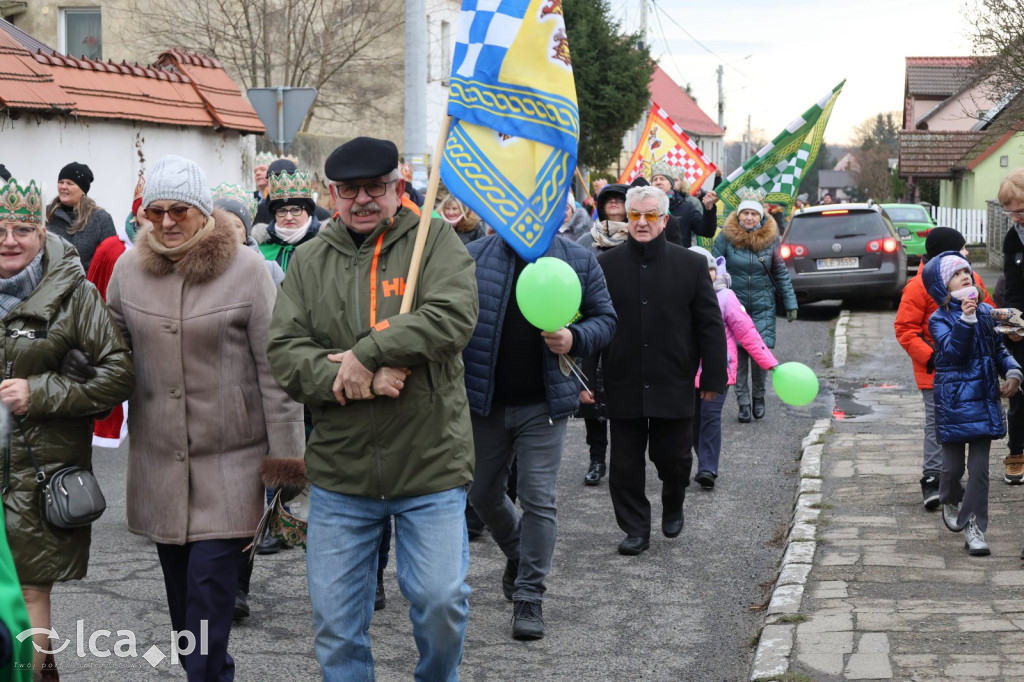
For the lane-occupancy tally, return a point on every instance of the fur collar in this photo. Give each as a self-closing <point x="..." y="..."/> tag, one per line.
<point x="206" y="261"/>
<point x="758" y="240"/>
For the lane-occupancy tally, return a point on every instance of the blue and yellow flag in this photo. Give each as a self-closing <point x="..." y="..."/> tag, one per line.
<point x="511" y="151"/>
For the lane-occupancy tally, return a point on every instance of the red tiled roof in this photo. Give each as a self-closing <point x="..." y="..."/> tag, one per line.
<point x="936" y="154"/>
<point x="680" y="107"/>
<point x="164" y="93"/>
<point x="222" y="96"/>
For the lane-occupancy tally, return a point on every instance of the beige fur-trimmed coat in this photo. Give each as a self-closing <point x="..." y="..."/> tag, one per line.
<point x="206" y="409"/>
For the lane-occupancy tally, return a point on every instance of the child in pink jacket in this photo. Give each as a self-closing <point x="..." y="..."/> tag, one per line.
<point x="739" y="328"/>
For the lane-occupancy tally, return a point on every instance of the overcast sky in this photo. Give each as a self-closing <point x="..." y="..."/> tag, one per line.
<point x="781" y="56"/>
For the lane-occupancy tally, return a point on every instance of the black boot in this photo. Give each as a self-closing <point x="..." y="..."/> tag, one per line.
<point x="744" y="414"/>
<point x="758" y="408"/>
<point x="379" y="600"/>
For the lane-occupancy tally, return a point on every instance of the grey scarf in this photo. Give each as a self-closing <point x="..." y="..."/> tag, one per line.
<point x="15" y="289"/>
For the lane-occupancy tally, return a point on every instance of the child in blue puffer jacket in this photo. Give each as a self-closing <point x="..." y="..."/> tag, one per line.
<point x="969" y="356"/>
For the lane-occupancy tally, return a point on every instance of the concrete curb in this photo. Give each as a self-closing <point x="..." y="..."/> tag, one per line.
<point x="839" y="345"/>
<point x="776" y="642"/>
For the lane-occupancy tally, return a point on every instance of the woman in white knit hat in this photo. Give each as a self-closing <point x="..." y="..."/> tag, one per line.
<point x="195" y="305"/>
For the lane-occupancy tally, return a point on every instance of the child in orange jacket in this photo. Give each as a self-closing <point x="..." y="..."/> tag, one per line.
<point x="911" y="328"/>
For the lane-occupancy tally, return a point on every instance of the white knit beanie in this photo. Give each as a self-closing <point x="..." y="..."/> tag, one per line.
<point x="950" y="265"/>
<point x="752" y="205"/>
<point x="177" y="179"/>
<point x="707" y="254"/>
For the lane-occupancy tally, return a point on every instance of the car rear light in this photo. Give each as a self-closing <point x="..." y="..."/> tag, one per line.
<point x="923" y="233"/>
<point x="887" y="245"/>
<point x="842" y="212"/>
<point x="788" y="251"/>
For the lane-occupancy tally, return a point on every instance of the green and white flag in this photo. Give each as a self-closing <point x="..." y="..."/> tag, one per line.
<point x="778" y="168"/>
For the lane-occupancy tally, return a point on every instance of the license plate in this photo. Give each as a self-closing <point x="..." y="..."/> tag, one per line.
<point x="837" y="263"/>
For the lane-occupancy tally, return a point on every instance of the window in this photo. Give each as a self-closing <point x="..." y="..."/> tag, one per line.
<point x="446" y="50"/>
<point x="80" y="33"/>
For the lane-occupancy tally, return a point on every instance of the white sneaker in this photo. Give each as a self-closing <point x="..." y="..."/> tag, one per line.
<point x="975" y="540"/>
<point x="949" y="514"/>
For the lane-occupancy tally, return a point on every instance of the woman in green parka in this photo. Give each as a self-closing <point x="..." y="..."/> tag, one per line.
<point x="47" y="310"/>
<point x="749" y="241"/>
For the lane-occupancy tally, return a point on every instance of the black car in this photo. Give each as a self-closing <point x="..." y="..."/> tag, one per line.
<point x="846" y="251"/>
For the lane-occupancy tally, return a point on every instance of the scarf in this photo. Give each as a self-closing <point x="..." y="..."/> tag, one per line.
<point x="292" y="235"/>
<point x="20" y="286"/>
<point x="176" y="253"/>
<point x="609" y="233"/>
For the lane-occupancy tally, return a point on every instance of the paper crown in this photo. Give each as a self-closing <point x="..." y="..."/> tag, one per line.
<point x="265" y="159"/>
<point x="21" y="204"/>
<point x="290" y="186"/>
<point x="751" y="194"/>
<point x="226" y="190"/>
<point x="140" y="186"/>
<point x="662" y="168"/>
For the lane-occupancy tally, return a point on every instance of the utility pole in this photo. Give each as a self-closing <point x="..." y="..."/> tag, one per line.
<point x="721" y="99"/>
<point x="643" y="21"/>
<point x="415" y="127"/>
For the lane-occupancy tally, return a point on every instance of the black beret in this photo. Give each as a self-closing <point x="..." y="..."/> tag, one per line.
<point x="281" y="166"/>
<point x="77" y="173"/>
<point x="4" y="173"/>
<point x="361" y="158"/>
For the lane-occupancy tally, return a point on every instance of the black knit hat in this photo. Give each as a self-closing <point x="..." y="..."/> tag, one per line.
<point x="5" y="174"/>
<point x="942" y="239"/>
<point x="608" y="191"/>
<point x="77" y="173"/>
<point x="361" y="157"/>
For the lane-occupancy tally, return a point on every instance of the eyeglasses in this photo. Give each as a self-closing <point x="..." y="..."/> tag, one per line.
<point x="649" y="216"/>
<point x="614" y="200"/>
<point x="286" y="211"/>
<point x="19" y="232"/>
<point x="156" y="214"/>
<point x="372" y="189"/>
<point x="1013" y="214"/>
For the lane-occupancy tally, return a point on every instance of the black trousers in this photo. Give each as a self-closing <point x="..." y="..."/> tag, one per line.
<point x="668" y="442"/>
<point x="597" y="438"/>
<point x="1015" y="414"/>
<point x="201" y="578"/>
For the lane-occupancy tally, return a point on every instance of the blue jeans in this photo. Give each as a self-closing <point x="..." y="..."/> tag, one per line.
<point x="527" y="434"/>
<point x="707" y="432"/>
<point x="432" y="554"/>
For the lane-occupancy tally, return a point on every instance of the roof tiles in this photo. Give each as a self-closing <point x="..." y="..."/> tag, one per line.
<point x="680" y="106"/>
<point x="185" y="89"/>
<point x="936" y="154"/>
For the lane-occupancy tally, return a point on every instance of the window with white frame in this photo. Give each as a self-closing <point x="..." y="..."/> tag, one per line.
<point x="81" y="33"/>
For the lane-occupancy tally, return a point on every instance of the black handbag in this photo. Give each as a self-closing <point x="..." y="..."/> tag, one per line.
<point x="72" y="497"/>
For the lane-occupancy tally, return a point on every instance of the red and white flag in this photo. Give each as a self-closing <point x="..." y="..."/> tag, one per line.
<point x="663" y="142"/>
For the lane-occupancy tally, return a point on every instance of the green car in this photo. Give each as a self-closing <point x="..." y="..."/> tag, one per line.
<point x="916" y="224"/>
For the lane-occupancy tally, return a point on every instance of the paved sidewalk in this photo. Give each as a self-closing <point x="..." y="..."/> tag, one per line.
<point x="873" y="586"/>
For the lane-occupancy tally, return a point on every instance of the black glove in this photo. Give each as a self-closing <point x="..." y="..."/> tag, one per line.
<point x="77" y="366"/>
<point x="930" y="365"/>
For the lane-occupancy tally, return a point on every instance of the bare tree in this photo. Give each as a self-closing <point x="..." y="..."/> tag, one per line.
<point x="349" y="50"/>
<point x="996" y="29"/>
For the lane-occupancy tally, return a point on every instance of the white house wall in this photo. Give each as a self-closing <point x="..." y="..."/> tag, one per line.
<point x="34" y="148"/>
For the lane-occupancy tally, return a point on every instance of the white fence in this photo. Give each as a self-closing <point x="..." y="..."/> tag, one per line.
<point x="970" y="222"/>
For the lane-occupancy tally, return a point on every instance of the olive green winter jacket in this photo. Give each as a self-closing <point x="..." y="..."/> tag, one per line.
<point x="64" y="312"/>
<point x="337" y="297"/>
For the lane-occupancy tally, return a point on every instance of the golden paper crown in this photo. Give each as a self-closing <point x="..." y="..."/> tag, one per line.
<point x="21" y="204"/>
<point x="265" y="159"/>
<point x="290" y="186"/>
<point x="752" y="194"/>
<point x="240" y="194"/>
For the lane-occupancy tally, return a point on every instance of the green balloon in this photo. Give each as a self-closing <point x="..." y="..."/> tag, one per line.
<point x="549" y="293"/>
<point x="795" y="383"/>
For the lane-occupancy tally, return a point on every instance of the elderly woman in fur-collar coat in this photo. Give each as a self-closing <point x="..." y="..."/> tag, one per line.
<point x="749" y="241"/>
<point x="195" y="306"/>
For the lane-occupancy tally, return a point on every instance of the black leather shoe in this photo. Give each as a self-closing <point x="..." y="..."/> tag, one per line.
<point x="744" y="414"/>
<point x="270" y="545"/>
<point x="758" y="408"/>
<point x="379" y="600"/>
<point x="672" y="524"/>
<point x="241" y="605"/>
<point x="595" y="473"/>
<point x="633" y="545"/>
<point x="527" y="621"/>
<point x="508" y="578"/>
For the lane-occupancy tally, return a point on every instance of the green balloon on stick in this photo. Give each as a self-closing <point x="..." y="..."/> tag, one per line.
<point x="549" y="293"/>
<point x="795" y="383"/>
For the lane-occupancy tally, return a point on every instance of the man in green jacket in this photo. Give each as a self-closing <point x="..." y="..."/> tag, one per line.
<point x="391" y="427"/>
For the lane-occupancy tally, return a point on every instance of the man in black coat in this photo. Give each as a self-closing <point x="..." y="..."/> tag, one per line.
<point x="669" y="325"/>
